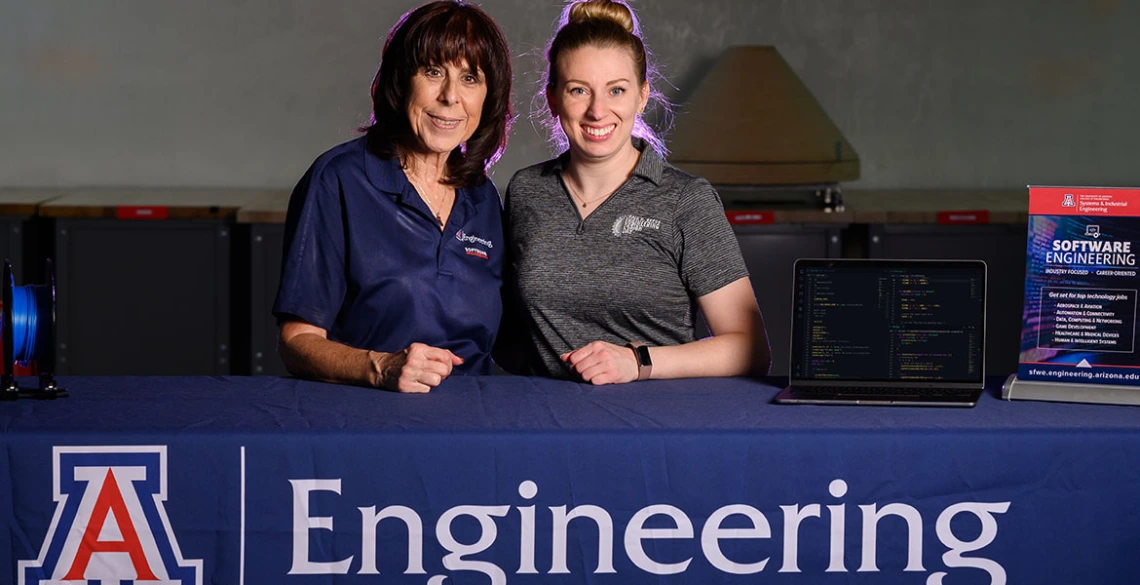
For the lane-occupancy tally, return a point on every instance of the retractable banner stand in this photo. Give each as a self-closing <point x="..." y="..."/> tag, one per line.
<point x="1078" y="339"/>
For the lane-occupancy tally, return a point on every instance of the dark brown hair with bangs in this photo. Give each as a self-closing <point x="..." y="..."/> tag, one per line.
<point x="437" y="33"/>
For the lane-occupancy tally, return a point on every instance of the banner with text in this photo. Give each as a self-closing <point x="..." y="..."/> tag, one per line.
<point x="1079" y="317"/>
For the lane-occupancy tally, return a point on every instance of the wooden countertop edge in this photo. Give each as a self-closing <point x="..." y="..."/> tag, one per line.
<point x="111" y="211"/>
<point x="260" y="216"/>
<point x="912" y="206"/>
<point x="270" y="208"/>
<point x="18" y="209"/>
<point x="931" y="217"/>
<point x="813" y="216"/>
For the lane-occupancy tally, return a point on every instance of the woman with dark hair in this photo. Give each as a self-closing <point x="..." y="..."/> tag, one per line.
<point x="393" y="242"/>
<point x="645" y="245"/>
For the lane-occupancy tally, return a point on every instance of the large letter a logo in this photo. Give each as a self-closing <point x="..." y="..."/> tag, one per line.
<point x="110" y="499"/>
<point x="109" y="524"/>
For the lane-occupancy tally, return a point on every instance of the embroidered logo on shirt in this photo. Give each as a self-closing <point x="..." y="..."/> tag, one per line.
<point x="627" y="224"/>
<point x="472" y="239"/>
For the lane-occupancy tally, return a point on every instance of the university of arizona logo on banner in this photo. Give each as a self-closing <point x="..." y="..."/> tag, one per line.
<point x="110" y="525"/>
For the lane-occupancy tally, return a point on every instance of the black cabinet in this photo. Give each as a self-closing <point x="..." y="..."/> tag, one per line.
<point x="12" y="246"/>
<point x="770" y="252"/>
<point x="1001" y="246"/>
<point x="265" y="241"/>
<point x="143" y="297"/>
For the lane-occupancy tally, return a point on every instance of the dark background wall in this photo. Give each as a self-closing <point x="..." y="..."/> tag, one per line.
<point x="246" y="93"/>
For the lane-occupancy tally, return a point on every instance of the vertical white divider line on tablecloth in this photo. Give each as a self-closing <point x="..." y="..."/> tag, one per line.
<point x="241" y="543"/>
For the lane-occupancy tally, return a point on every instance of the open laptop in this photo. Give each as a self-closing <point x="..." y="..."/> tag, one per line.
<point x="887" y="332"/>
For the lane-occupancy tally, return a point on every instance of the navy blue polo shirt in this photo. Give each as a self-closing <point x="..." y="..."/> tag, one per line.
<point x="365" y="260"/>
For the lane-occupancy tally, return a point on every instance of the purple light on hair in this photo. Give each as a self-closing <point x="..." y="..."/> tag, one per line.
<point x="660" y="105"/>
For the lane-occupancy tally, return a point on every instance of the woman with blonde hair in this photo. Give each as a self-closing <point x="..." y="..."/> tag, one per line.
<point x="613" y="250"/>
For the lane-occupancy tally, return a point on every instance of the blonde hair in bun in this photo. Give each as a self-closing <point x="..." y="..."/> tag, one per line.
<point x="602" y="10"/>
<point x="602" y="23"/>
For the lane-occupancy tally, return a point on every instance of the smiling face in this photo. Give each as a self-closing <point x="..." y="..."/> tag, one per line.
<point x="597" y="98"/>
<point x="445" y="105"/>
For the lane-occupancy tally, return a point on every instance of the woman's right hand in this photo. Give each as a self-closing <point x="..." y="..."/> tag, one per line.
<point x="308" y="353"/>
<point x="417" y="369"/>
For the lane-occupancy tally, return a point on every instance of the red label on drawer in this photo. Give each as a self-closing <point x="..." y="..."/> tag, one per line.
<point x="963" y="217"/>
<point x="750" y="217"/>
<point x="129" y="212"/>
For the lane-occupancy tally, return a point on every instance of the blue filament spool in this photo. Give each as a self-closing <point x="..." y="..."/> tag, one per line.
<point x="27" y="329"/>
<point x="31" y="320"/>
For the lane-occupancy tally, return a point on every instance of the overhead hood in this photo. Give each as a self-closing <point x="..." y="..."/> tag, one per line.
<point x="753" y="122"/>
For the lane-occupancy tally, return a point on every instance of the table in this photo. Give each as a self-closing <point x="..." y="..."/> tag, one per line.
<point x="519" y="480"/>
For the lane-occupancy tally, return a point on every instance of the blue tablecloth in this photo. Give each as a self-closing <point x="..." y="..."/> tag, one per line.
<point x="237" y="480"/>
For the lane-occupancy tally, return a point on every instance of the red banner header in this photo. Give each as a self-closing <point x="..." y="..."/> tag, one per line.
<point x="1084" y="201"/>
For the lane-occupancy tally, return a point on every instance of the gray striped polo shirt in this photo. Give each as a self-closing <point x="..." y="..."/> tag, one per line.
<point x="631" y="271"/>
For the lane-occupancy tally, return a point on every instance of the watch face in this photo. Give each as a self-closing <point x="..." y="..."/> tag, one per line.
<point x="643" y="356"/>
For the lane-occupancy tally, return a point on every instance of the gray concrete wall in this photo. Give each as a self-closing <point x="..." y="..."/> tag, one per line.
<point x="245" y="93"/>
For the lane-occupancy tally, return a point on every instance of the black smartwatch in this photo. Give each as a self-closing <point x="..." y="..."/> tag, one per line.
<point x="644" y="362"/>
